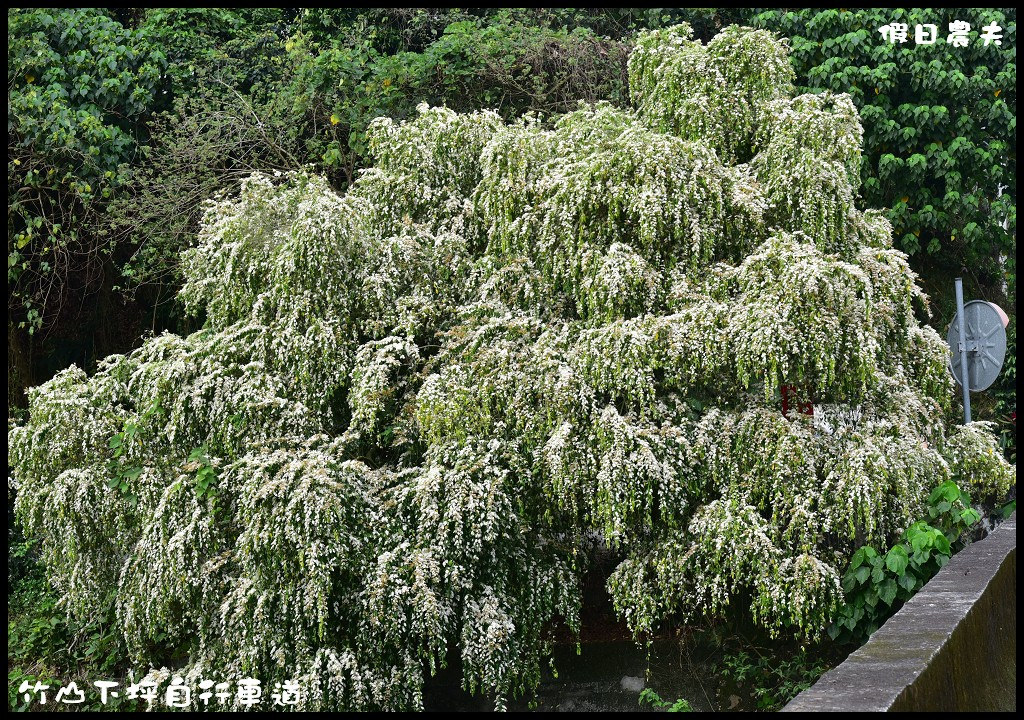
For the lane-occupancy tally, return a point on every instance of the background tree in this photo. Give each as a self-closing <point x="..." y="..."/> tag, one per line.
<point x="80" y="89"/>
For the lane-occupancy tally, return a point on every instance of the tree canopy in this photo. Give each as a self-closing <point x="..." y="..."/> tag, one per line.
<point x="187" y="102"/>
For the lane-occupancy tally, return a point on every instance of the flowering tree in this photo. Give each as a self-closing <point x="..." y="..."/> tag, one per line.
<point x="413" y="406"/>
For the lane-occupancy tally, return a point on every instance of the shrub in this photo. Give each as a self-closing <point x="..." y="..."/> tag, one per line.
<point x="413" y="404"/>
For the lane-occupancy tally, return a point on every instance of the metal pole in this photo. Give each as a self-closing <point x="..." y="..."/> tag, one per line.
<point x="965" y="378"/>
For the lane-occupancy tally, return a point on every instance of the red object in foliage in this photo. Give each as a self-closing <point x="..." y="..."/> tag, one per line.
<point x="789" y="397"/>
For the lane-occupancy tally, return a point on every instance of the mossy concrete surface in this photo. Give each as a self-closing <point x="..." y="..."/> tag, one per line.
<point x="952" y="647"/>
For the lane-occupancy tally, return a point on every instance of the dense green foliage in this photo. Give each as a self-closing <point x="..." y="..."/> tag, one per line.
<point x="414" y="404"/>
<point x="877" y="584"/>
<point x="940" y="127"/>
<point x="771" y="679"/>
<point x="79" y="88"/>
<point x="45" y="645"/>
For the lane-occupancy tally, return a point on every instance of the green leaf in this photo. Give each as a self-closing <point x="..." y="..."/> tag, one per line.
<point x="887" y="591"/>
<point x="921" y="540"/>
<point x="897" y="559"/>
<point x="858" y="559"/>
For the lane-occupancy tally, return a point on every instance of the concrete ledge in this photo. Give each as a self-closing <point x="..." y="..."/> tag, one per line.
<point x="953" y="646"/>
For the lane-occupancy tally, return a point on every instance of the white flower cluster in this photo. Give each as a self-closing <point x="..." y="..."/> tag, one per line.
<point x="413" y="406"/>
<point x="720" y="94"/>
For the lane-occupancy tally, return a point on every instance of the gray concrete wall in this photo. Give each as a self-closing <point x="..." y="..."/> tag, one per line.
<point x="953" y="646"/>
